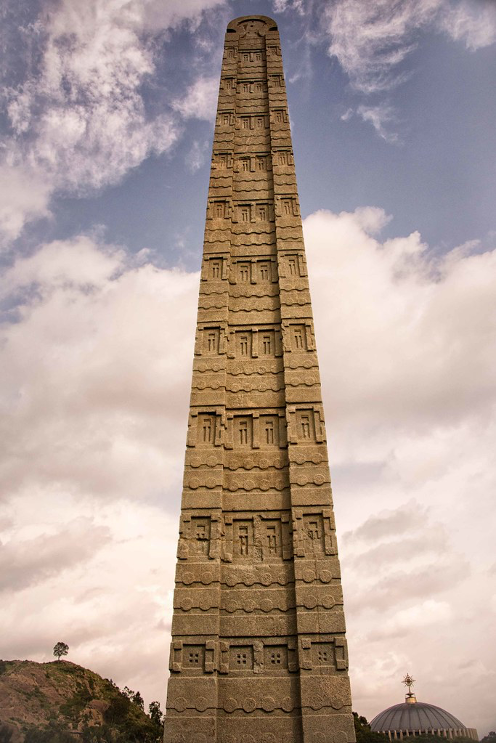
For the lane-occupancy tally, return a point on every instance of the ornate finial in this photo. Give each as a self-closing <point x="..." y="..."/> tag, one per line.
<point x="409" y="681"/>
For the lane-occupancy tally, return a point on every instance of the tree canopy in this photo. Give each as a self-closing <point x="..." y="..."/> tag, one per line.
<point x="60" y="648"/>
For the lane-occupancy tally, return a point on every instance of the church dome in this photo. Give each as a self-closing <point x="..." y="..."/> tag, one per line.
<point x="419" y="718"/>
<point x="415" y="716"/>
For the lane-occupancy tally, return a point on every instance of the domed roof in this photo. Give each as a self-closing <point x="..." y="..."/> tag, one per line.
<point x="415" y="716"/>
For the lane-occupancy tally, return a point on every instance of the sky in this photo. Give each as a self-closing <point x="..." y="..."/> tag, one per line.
<point x="107" y="122"/>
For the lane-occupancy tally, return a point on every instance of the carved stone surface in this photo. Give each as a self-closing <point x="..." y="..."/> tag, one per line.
<point x="258" y="653"/>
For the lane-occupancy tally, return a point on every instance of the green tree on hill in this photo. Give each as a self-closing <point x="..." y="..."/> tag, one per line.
<point x="156" y="715"/>
<point x="59" y="649"/>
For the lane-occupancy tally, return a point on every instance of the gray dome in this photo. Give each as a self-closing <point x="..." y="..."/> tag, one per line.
<point x="415" y="716"/>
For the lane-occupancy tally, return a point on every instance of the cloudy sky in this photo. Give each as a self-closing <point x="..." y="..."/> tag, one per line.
<point x="107" y="122"/>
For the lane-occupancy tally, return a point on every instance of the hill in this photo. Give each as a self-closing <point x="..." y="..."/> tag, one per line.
<point x="61" y="702"/>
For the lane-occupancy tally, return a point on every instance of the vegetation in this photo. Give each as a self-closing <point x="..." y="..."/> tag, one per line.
<point x="363" y="732"/>
<point x="65" y="699"/>
<point x="60" y="649"/>
<point x="52" y="733"/>
<point x="4" y="666"/>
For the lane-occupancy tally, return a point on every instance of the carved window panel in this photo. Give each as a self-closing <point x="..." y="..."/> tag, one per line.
<point x="279" y="116"/>
<point x="241" y="658"/>
<point x="242" y="431"/>
<point x="271" y="537"/>
<point x="323" y="654"/>
<point x="251" y="56"/>
<point x="216" y="268"/>
<point x="243" y="273"/>
<point x="222" y="162"/>
<point x="243" y="343"/>
<point x="260" y="122"/>
<point x="258" y="87"/>
<point x="275" y="657"/>
<point x="200" y="531"/>
<point x="245" y="122"/>
<point x="219" y="209"/>
<point x="293" y="266"/>
<point x="262" y="211"/>
<point x="266" y="343"/>
<point x="287" y="207"/>
<point x="313" y="534"/>
<point x="270" y="433"/>
<point x="244" y="214"/>
<point x="261" y="162"/>
<point x="305" y="425"/>
<point x="207" y="429"/>
<point x="211" y="341"/>
<point x="264" y="270"/>
<point x="245" y="165"/>
<point x="193" y="657"/>
<point x="243" y="539"/>
<point x="298" y="337"/>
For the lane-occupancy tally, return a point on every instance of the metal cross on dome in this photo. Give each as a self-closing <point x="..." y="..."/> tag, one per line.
<point x="408" y="681"/>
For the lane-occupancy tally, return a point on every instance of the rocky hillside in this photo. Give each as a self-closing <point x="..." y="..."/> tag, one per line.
<point x="61" y="702"/>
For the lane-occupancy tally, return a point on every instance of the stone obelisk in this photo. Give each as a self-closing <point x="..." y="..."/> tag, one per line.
<point x="258" y="650"/>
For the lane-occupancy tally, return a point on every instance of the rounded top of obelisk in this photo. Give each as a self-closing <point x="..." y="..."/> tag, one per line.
<point x="252" y="25"/>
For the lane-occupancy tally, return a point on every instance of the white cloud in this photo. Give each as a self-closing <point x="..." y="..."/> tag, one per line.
<point x="24" y="196"/>
<point x="472" y="22"/>
<point x="81" y="117"/>
<point x="197" y="155"/>
<point x="79" y="120"/>
<point x="69" y="265"/>
<point x="200" y="99"/>
<point x="372" y="39"/>
<point x="423" y="326"/>
<point x="94" y="334"/>
<point x="27" y="561"/>
<point x="421" y="615"/>
<point x="371" y="219"/>
<point x="280" y="6"/>
<point x="381" y="117"/>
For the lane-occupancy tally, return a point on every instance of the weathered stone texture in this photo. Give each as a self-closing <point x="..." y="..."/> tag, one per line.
<point x="258" y="652"/>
